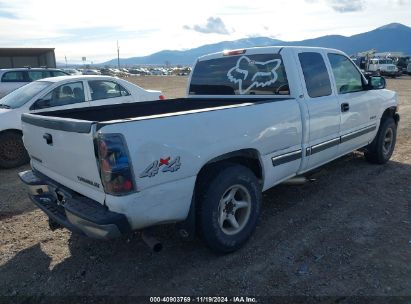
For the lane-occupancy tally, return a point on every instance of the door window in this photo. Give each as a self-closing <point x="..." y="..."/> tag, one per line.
<point x="348" y="79"/>
<point x="68" y="93"/>
<point x="101" y="89"/>
<point x="315" y="73"/>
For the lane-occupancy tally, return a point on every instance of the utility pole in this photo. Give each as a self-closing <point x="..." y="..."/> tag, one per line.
<point x="118" y="56"/>
<point x="65" y="57"/>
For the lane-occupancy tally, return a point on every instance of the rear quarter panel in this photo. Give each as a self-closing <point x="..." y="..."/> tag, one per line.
<point x="271" y="129"/>
<point x="197" y="138"/>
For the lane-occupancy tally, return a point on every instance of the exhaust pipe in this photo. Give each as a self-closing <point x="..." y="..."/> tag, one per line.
<point x="298" y="180"/>
<point x="152" y="242"/>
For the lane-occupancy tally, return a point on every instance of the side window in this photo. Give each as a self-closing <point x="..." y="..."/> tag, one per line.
<point x="68" y="93"/>
<point x="106" y="89"/>
<point x="58" y="73"/>
<point x="348" y="79"/>
<point x="47" y="74"/>
<point x="36" y="75"/>
<point x="13" y="76"/>
<point x="315" y="73"/>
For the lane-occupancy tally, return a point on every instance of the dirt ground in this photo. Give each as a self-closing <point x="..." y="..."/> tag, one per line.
<point x="348" y="233"/>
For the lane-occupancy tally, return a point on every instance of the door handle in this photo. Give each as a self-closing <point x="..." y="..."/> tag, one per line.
<point x="48" y="138"/>
<point x="345" y="107"/>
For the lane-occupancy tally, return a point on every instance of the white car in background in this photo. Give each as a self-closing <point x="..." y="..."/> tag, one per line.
<point x="72" y="71"/>
<point x="59" y="93"/>
<point x="91" y="72"/>
<point x="11" y="79"/>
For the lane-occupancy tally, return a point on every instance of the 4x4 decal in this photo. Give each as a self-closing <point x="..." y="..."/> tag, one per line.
<point x="166" y="165"/>
<point x="260" y="74"/>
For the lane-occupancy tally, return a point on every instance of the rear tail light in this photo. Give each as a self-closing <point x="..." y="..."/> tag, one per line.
<point x="162" y="97"/>
<point x="114" y="164"/>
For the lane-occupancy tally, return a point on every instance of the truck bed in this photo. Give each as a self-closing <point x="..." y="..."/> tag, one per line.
<point x="150" y="108"/>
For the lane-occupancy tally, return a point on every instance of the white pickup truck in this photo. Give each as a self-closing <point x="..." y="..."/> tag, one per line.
<point x="383" y="66"/>
<point x="252" y="119"/>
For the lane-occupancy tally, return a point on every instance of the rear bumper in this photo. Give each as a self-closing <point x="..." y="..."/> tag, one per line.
<point x="73" y="211"/>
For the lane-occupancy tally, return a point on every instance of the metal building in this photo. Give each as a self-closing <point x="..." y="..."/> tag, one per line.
<point x="23" y="57"/>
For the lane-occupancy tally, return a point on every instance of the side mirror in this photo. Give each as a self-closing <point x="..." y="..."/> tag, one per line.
<point x="41" y="104"/>
<point x="376" y="83"/>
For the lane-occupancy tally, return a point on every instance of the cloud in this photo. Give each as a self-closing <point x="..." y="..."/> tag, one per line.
<point x="213" y="26"/>
<point x="346" y="6"/>
<point x="401" y="2"/>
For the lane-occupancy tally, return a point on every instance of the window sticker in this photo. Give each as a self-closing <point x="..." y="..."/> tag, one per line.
<point x="253" y="73"/>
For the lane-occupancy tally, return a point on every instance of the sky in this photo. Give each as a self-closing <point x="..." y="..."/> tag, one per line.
<point x="79" y="28"/>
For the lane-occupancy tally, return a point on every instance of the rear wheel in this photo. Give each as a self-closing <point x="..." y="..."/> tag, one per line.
<point x="382" y="147"/>
<point x="229" y="207"/>
<point x="12" y="151"/>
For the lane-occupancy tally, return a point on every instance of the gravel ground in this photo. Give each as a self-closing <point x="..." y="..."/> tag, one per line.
<point x="348" y="233"/>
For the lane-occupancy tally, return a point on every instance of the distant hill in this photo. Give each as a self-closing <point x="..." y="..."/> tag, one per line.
<point x="391" y="37"/>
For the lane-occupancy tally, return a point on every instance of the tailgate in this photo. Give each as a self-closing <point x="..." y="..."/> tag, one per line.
<point x="63" y="150"/>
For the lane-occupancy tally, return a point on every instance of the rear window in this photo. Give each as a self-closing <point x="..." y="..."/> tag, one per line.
<point x="260" y="74"/>
<point x="100" y="89"/>
<point x="13" y="76"/>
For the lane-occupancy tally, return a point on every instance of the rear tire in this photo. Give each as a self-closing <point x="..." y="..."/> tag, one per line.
<point x="12" y="151"/>
<point x="229" y="205"/>
<point x="382" y="147"/>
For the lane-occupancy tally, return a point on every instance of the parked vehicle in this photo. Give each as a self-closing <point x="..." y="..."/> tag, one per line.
<point x="401" y="63"/>
<point x="252" y="119"/>
<point x="72" y="71"/>
<point x="11" y="79"/>
<point x="91" y="72"/>
<point x="383" y="66"/>
<point x="409" y="68"/>
<point x="108" y="72"/>
<point x="65" y="92"/>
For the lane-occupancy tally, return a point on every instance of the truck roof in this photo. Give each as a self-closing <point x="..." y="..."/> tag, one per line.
<point x="265" y="49"/>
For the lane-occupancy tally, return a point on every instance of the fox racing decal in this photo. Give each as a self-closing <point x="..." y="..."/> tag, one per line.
<point x="260" y="74"/>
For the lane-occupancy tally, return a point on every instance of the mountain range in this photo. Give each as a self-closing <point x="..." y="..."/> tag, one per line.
<point x="394" y="37"/>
